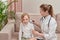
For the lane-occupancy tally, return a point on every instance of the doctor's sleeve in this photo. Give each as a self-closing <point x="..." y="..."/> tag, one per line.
<point x="52" y="29"/>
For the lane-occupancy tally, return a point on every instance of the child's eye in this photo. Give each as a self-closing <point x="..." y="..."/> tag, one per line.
<point x="25" y="19"/>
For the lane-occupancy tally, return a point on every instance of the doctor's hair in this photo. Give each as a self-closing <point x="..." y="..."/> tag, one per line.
<point x="24" y="14"/>
<point x="46" y="7"/>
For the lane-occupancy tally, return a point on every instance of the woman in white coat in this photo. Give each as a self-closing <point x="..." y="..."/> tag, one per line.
<point x="48" y="24"/>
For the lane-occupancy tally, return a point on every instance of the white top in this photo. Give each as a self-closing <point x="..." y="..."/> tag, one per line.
<point x="26" y="30"/>
<point x="49" y="32"/>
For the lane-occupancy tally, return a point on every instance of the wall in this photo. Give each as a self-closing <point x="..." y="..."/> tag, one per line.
<point x="16" y="6"/>
<point x="32" y="6"/>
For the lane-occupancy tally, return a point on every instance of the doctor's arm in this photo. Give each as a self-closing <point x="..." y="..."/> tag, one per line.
<point x="52" y="29"/>
<point x="35" y="23"/>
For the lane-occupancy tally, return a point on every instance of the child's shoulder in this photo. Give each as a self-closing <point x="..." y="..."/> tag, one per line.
<point x="30" y="23"/>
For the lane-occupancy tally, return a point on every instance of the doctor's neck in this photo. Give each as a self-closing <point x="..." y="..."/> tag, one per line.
<point x="46" y="16"/>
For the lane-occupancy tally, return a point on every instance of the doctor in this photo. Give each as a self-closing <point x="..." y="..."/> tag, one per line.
<point x="48" y="24"/>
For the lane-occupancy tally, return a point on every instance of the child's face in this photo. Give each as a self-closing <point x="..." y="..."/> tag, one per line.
<point x="25" y="19"/>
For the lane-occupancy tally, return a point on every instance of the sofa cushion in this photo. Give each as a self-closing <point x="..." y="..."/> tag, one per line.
<point x="58" y="22"/>
<point x="7" y="31"/>
<point x="17" y="22"/>
<point x="3" y="36"/>
<point x="58" y="36"/>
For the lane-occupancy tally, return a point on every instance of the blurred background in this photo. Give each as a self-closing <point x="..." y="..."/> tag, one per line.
<point x="11" y="10"/>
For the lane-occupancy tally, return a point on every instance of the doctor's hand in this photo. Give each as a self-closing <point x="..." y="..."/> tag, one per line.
<point x="37" y="33"/>
<point x="36" y="23"/>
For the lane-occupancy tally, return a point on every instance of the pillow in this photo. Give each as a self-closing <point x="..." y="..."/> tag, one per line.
<point x="58" y="23"/>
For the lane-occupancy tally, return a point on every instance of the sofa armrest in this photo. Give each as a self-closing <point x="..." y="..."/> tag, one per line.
<point x="6" y="32"/>
<point x="3" y="36"/>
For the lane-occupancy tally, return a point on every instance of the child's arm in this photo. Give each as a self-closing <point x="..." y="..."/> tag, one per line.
<point x="20" y="33"/>
<point x="34" y="32"/>
<point x="37" y="34"/>
<point x="32" y="29"/>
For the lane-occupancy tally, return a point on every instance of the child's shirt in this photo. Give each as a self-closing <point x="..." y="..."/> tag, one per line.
<point x="26" y="30"/>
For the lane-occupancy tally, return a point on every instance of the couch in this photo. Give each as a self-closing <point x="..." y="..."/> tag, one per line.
<point x="37" y="18"/>
<point x="7" y="31"/>
<point x="11" y="29"/>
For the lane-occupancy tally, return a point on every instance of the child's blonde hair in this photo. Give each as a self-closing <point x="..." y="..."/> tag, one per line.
<point x="24" y="14"/>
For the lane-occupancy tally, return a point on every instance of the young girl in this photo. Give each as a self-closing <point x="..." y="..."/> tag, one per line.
<point x="26" y="27"/>
<point x="48" y="24"/>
